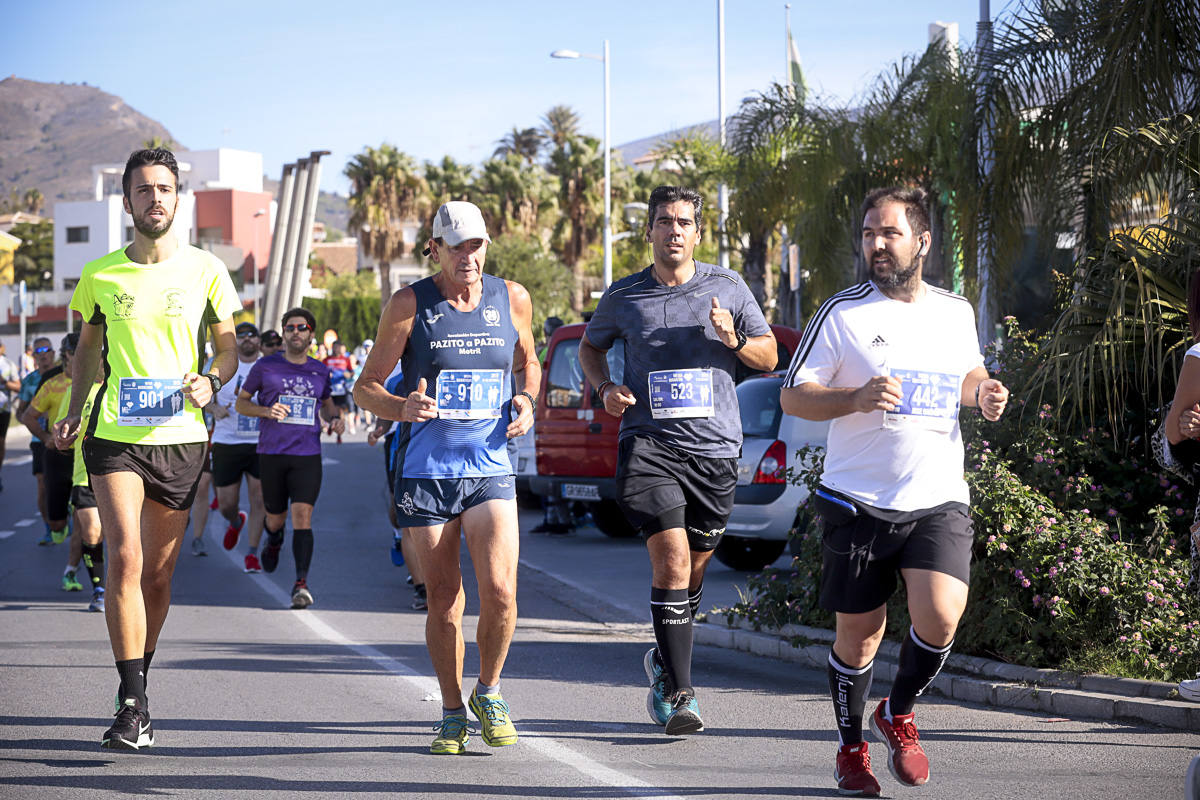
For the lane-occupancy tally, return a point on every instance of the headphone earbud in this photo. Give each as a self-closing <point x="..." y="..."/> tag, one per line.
<point x="924" y="247"/>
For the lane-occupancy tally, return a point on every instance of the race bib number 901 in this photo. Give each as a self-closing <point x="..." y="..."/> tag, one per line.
<point x="681" y="393"/>
<point x="929" y="400"/>
<point x="469" y="393"/>
<point x="150" y="402"/>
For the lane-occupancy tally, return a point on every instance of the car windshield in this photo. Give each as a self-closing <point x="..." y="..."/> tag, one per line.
<point x="759" y="402"/>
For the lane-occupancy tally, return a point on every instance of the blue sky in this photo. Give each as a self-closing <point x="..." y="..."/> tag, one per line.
<point x="450" y="77"/>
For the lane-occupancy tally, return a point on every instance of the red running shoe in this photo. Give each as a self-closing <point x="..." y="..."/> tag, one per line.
<point x="853" y="771"/>
<point x="252" y="564"/>
<point x="906" y="759"/>
<point x="213" y="505"/>
<point x="233" y="531"/>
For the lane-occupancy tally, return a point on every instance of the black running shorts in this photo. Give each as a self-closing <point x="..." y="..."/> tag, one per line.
<point x="660" y="487"/>
<point x="5" y="419"/>
<point x="289" y="479"/>
<point x="36" y="448"/>
<point x="58" y="467"/>
<point x="231" y="461"/>
<point x="83" y="497"/>
<point x="171" y="472"/>
<point x="340" y="400"/>
<point x="864" y="552"/>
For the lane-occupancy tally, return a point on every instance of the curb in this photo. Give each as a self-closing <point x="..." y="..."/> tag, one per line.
<point x="980" y="680"/>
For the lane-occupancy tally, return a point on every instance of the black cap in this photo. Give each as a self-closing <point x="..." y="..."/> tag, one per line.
<point x="246" y="326"/>
<point x="271" y="338"/>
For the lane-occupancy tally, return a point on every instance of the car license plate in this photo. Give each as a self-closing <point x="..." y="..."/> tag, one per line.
<point x="580" y="491"/>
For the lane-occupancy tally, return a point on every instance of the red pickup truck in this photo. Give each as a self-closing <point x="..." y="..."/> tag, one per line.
<point x="576" y="439"/>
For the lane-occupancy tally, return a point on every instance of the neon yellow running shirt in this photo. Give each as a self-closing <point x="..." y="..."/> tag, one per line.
<point x="154" y="319"/>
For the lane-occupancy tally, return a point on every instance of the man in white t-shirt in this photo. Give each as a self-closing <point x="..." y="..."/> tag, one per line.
<point x="235" y="453"/>
<point x="890" y="362"/>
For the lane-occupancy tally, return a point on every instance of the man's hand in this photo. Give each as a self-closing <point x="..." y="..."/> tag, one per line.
<point x="65" y="431"/>
<point x="722" y="322"/>
<point x="881" y="393"/>
<point x="337" y="425"/>
<point x="219" y="411"/>
<point x="1189" y="423"/>
<point x="418" y="406"/>
<point x="198" y="388"/>
<point x="617" y="398"/>
<point x="524" y="420"/>
<point x="993" y="397"/>
<point x="277" y="411"/>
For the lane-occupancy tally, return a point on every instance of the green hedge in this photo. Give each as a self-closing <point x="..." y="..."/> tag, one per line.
<point x="354" y="318"/>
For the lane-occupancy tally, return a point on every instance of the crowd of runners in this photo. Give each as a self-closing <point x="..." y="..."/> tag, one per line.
<point x="132" y="425"/>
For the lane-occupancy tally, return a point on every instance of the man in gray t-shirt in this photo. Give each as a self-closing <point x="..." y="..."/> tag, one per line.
<point x="686" y="325"/>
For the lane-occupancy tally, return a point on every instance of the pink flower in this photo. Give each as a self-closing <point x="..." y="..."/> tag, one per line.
<point x="1105" y="590"/>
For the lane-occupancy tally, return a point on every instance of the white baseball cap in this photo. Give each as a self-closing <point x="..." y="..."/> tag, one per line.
<point x="458" y="221"/>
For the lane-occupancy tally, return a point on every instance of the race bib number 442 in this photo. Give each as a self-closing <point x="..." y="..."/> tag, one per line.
<point x="150" y="402"/>
<point x="930" y="400"/>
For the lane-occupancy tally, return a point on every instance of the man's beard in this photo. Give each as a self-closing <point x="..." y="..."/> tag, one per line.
<point x="153" y="230"/>
<point x="897" y="278"/>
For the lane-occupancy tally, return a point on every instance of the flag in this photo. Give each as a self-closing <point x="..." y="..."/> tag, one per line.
<point x="795" y="72"/>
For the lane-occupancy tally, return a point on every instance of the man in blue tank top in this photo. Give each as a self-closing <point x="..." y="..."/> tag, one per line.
<point x="686" y="325"/>
<point x="460" y="337"/>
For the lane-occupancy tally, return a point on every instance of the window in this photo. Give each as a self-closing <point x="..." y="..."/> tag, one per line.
<point x="564" y="384"/>
<point x="616" y="369"/>
<point x="77" y="235"/>
<point x="758" y="401"/>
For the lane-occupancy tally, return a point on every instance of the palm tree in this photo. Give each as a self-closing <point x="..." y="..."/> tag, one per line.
<point x="446" y="181"/>
<point x="514" y="196"/>
<point x="559" y="125"/>
<point x="523" y="142"/>
<point x="385" y="190"/>
<point x="158" y="142"/>
<point x="34" y="202"/>
<point x="579" y="166"/>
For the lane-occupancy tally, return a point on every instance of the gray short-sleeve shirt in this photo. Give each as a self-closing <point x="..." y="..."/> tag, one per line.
<point x="668" y="328"/>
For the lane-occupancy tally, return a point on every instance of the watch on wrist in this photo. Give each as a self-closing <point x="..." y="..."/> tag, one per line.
<point x="741" y="341"/>
<point x="215" y="381"/>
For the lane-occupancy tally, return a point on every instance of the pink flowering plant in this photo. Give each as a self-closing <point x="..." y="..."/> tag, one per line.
<point x="1081" y="555"/>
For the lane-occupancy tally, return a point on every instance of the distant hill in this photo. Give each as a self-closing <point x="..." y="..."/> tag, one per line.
<point x="52" y="133"/>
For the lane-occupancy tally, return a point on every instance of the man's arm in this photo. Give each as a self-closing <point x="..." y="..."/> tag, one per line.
<point x="224" y="364"/>
<point x="615" y="397"/>
<point x="526" y="367"/>
<point x="818" y="403"/>
<point x="31" y="418"/>
<point x="988" y="394"/>
<point x="391" y="339"/>
<point x="84" y="364"/>
<point x="759" y="352"/>
<point x="333" y="415"/>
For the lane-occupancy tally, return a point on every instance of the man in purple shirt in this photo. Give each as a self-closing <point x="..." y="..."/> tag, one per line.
<point x="287" y="390"/>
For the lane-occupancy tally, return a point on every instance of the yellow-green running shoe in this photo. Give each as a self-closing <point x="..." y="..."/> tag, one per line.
<point x="492" y="712"/>
<point x="452" y="736"/>
<point x="69" y="584"/>
<point x="58" y="537"/>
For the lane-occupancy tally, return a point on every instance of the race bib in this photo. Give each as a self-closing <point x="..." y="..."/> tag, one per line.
<point x="151" y="402"/>
<point x="246" y="426"/>
<point x="303" y="409"/>
<point x="681" y="393"/>
<point x="929" y="400"/>
<point x="469" y="393"/>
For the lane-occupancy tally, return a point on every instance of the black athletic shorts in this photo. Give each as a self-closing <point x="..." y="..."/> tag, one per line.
<point x="231" y="461"/>
<point x="660" y="487"/>
<point x="36" y="448"/>
<point x="171" y="472"/>
<point x="83" y="497"/>
<point x="865" y="548"/>
<point x="5" y="419"/>
<point x="285" y="479"/>
<point x="340" y="400"/>
<point x="59" y="468"/>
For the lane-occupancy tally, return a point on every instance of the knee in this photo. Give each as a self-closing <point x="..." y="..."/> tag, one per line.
<point x="672" y="570"/>
<point x="156" y="584"/>
<point x="502" y="596"/>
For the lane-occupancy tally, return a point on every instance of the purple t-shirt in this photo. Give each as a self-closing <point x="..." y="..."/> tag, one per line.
<point x="303" y="387"/>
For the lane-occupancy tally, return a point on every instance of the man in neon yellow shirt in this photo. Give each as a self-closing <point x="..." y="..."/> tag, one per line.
<point x="145" y="440"/>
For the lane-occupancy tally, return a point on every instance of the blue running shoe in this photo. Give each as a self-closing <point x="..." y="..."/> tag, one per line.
<point x="685" y="715"/>
<point x="656" y="701"/>
<point x="397" y="552"/>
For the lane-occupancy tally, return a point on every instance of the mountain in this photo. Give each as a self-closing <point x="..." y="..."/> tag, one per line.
<point x="52" y="133"/>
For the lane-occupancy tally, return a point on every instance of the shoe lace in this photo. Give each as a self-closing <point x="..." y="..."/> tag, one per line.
<point x="453" y="727"/>
<point x="300" y="584"/>
<point x="495" y="710"/>
<point x="127" y="714"/>
<point x="681" y="700"/>
<point x="906" y="732"/>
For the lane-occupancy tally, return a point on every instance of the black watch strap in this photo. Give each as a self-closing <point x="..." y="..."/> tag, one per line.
<point x="215" y="381"/>
<point x="532" y="402"/>
<point x="741" y="341"/>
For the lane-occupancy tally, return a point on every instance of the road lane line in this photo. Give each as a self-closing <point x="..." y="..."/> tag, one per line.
<point x="6" y="534"/>
<point x="24" y="523"/>
<point x="548" y="747"/>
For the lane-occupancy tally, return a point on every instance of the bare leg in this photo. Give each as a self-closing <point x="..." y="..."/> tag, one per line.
<point x="437" y="548"/>
<point x="492" y="538"/>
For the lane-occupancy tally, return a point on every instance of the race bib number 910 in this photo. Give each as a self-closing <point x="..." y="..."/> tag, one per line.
<point x="469" y="393"/>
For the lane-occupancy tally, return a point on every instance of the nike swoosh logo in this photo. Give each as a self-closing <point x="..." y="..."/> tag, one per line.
<point x="701" y="294"/>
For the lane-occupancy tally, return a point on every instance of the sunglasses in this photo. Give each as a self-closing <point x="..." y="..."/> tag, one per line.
<point x="37" y="350"/>
<point x="301" y="328"/>
<point x="247" y="335"/>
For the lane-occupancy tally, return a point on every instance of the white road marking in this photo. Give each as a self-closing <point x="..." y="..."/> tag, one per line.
<point x="327" y="460"/>
<point x="24" y="523"/>
<point x="6" y="534"/>
<point x="545" y="745"/>
<point x="18" y="461"/>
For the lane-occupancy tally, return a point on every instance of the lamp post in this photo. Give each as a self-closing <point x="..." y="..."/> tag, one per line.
<point x="257" y="296"/>
<point x="607" y="159"/>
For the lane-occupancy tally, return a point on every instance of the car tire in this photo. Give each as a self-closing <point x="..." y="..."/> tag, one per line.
<point x="610" y="519"/>
<point x="528" y="500"/>
<point x="748" y="555"/>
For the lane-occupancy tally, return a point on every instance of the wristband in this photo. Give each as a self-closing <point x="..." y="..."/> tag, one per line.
<point x="600" y="389"/>
<point x="977" y="387"/>
<point x="532" y="402"/>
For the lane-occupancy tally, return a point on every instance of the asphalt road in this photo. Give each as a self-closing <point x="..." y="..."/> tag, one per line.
<point x="251" y="699"/>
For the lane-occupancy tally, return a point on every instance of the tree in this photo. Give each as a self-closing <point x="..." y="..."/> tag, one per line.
<point x="525" y="143"/>
<point x="159" y="143"/>
<point x="34" y="202"/>
<point x="524" y="259"/>
<point x="514" y="195"/>
<point x="33" y="261"/>
<point x="385" y="190"/>
<point x="446" y="181"/>
<point x="579" y="166"/>
<point x="559" y="125"/>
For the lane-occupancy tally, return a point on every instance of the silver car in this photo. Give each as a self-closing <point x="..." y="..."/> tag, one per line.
<point x="764" y="506"/>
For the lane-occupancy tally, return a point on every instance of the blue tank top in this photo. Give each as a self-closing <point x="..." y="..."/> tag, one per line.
<point x="466" y="358"/>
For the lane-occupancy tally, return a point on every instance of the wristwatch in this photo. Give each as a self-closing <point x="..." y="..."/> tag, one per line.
<point x="741" y="341"/>
<point x="215" y="381"/>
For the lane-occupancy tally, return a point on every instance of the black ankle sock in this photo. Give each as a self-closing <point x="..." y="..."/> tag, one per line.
<point x="849" y="687"/>
<point x="673" y="632"/>
<point x="694" y="599"/>
<point x="133" y="679"/>
<point x="302" y="549"/>
<point x="93" y="560"/>
<point x="919" y="665"/>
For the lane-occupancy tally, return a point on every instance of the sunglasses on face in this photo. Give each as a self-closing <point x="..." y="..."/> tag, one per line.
<point x="247" y="335"/>
<point x="39" y="350"/>
<point x="301" y="328"/>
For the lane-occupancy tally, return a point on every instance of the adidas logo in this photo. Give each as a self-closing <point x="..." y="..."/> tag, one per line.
<point x="878" y="341"/>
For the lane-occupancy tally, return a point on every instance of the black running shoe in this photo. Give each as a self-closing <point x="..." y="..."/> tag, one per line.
<point x="131" y="730"/>
<point x="270" y="553"/>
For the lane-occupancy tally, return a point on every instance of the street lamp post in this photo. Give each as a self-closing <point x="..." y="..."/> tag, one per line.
<point x="257" y="296"/>
<point x="607" y="157"/>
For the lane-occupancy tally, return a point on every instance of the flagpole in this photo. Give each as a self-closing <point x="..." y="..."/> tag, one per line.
<point x="722" y="188"/>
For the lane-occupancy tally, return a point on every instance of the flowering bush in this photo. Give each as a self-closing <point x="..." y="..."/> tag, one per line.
<point x="1080" y="554"/>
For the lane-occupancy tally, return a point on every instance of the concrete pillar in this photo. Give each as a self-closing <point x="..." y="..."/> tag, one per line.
<point x="268" y="314"/>
<point x="309" y="209"/>
<point x="282" y="300"/>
